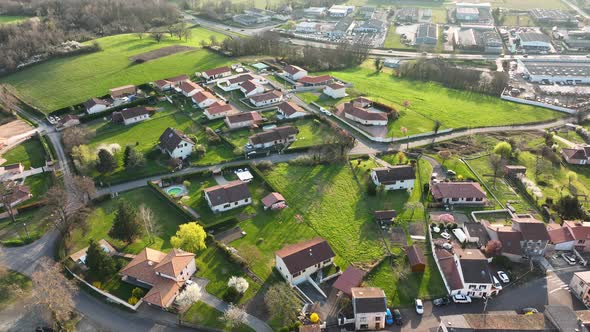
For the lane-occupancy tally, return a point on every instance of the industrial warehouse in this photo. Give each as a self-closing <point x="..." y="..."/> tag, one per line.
<point x="563" y="70"/>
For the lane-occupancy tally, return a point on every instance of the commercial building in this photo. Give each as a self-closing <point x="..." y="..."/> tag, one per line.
<point x="407" y="15"/>
<point x="251" y="19"/>
<point x="314" y="11"/>
<point x="340" y="10"/>
<point x="370" y="26"/>
<point x="308" y="27"/>
<point x="426" y="34"/>
<point x="577" y="39"/>
<point x="474" y="13"/>
<point x="534" y="42"/>
<point x="572" y="71"/>
<point x="552" y="17"/>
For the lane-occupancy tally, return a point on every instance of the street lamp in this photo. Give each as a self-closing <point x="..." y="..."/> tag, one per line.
<point x="26" y="231"/>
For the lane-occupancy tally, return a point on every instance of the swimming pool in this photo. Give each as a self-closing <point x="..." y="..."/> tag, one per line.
<point x="176" y="191"/>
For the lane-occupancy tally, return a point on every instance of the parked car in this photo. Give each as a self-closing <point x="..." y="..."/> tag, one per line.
<point x="447" y="246"/>
<point x="503" y="276"/>
<point x="419" y="306"/>
<point x="388" y="317"/>
<point x="569" y="259"/>
<point x="451" y="173"/>
<point x="436" y="229"/>
<point x="441" y="301"/>
<point x="460" y="298"/>
<point x="397" y="316"/>
<point x="445" y="235"/>
<point x="497" y="284"/>
<point x="528" y="311"/>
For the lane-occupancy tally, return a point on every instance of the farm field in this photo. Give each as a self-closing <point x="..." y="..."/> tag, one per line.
<point x="67" y="81"/>
<point x="30" y="153"/>
<point x="431" y="101"/>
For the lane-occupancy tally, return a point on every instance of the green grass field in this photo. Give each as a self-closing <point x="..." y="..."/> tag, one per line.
<point x="30" y="153"/>
<point x="431" y="101"/>
<point x="67" y="81"/>
<point x="518" y="20"/>
<point x="203" y="315"/>
<point x="11" y="283"/>
<point x="393" y="40"/>
<point x="7" y="19"/>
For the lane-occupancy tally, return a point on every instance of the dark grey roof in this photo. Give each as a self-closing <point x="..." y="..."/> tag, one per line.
<point x="171" y="137"/>
<point x="426" y="30"/>
<point x="132" y="112"/>
<point x="387" y="175"/>
<point x="476" y="271"/>
<point x="385" y="214"/>
<point x="96" y="101"/>
<point x="228" y="193"/>
<point x="302" y="255"/>
<point x="276" y="134"/>
<point x="368" y="300"/>
<point x="534" y="37"/>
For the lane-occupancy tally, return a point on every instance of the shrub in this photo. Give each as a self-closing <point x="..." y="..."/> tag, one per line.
<point x="371" y="189"/>
<point x="137" y="292"/>
<point x="231" y="295"/>
<point x="97" y="284"/>
<point x="133" y="300"/>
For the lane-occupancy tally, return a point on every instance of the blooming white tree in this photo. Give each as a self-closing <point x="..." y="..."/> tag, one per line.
<point x="239" y="283"/>
<point x="234" y="316"/>
<point x="191" y="294"/>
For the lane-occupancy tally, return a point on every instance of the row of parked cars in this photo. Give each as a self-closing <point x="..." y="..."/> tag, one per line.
<point x="460" y="298"/>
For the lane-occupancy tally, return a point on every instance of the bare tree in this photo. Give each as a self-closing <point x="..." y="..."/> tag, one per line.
<point x="75" y="136"/>
<point x="445" y="155"/>
<point x="148" y="218"/>
<point x="157" y="36"/>
<point x="60" y="211"/>
<point x="6" y="198"/>
<point x="53" y="291"/>
<point x="497" y="163"/>
<point x="83" y="188"/>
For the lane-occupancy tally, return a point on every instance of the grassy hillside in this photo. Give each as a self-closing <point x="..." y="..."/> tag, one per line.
<point x="66" y="81"/>
<point x="12" y="19"/>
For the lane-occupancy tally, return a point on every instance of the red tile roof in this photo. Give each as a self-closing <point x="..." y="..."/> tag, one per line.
<point x="242" y="117"/>
<point x="415" y="255"/>
<point x="201" y="96"/>
<point x="266" y="96"/>
<point x="364" y="114"/>
<point x="560" y="235"/>
<point x="189" y="86"/>
<point x="316" y="79"/>
<point x="293" y="69"/>
<point x="579" y="229"/>
<point x="449" y="269"/>
<point x="216" y="109"/>
<point x="457" y="190"/>
<point x="352" y="277"/>
<point x="217" y="71"/>
<point x="289" y="108"/>
<point x="272" y="198"/>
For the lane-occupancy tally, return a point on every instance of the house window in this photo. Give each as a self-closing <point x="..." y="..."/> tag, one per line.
<point x="364" y="326"/>
<point x="296" y="274"/>
<point x="326" y="261"/>
<point x="454" y="199"/>
<point x="469" y="199"/>
<point x="226" y="205"/>
<point x="479" y="199"/>
<point x="236" y="203"/>
<point x="472" y="286"/>
<point x="378" y="318"/>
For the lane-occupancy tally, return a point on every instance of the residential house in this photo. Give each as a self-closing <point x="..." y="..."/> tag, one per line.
<point x="448" y="264"/>
<point x="580" y="286"/>
<point x="251" y="88"/>
<point x="204" y="99"/>
<point x="369" y="306"/>
<point x="278" y="136"/>
<point x="12" y="169"/>
<point x="123" y="91"/>
<point x="510" y="239"/>
<point x="350" y="278"/>
<point x="164" y="274"/>
<point x="561" y="238"/>
<point x="96" y="105"/>
<point x="579" y="155"/>
<point x="394" y="178"/>
<point x="294" y="72"/>
<point x="335" y="90"/>
<point x="385" y="217"/>
<point x="229" y="196"/>
<point x="416" y="258"/>
<point x="475" y="274"/>
<point x="267" y="98"/>
<point x="290" y="110"/>
<point x="297" y="262"/>
<point x="274" y="201"/>
<point x="242" y="120"/>
<point x="534" y="235"/>
<point x="171" y="82"/>
<point x="18" y="194"/>
<point x="458" y="193"/>
<point x="581" y="233"/>
<point x="234" y="83"/>
<point x="67" y="121"/>
<point x="189" y="88"/>
<point x="79" y="257"/>
<point x="219" y="111"/>
<point x="316" y="80"/>
<point x="359" y="110"/>
<point x="216" y="73"/>
<point x="132" y="115"/>
<point x="176" y="144"/>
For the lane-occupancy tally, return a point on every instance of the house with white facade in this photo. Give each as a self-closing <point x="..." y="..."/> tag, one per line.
<point x="251" y="88"/>
<point x="294" y="72"/>
<point x="297" y="262"/>
<point x="132" y="115"/>
<point x="277" y="136"/>
<point x="219" y="111"/>
<point x="290" y="110"/>
<point x="228" y="196"/>
<point x="578" y="155"/>
<point x="356" y="112"/>
<point x="527" y="237"/>
<point x="216" y="73"/>
<point x="123" y="92"/>
<point x="369" y="306"/>
<point x="267" y="98"/>
<point x="561" y="238"/>
<point x="580" y="287"/>
<point x="68" y="120"/>
<point x="458" y="193"/>
<point x="243" y="120"/>
<point x="171" y="82"/>
<point x="335" y="90"/>
<point x="204" y="99"/>
<point x="394" y="178"/>
<point x="176" y="144"/>
<point x="190" y="88"/>
<point x="164" y="274"/>
<point x="96" y="105"/>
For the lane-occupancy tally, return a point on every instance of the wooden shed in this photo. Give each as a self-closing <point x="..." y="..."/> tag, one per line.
<point x="416" y="258"/>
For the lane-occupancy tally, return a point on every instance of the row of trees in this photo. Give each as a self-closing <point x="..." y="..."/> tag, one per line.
<point x="343" y="55"/>
<point x="61" y="20"/>
<point x="454" y="77"/>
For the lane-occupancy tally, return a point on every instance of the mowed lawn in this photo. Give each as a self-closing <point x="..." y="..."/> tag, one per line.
<point x="30" y="153"/>
<point x="67" y="81"/>
<point x="101" y="220"/>
<point x="431" y="101"/>
<point x="204" y="315"/>
<point x="5" y="19"/>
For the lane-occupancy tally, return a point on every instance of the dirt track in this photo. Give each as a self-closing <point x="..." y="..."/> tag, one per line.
<point x="13" y="128"/>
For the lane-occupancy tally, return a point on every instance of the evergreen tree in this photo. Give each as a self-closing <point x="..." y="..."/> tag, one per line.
<point x="100" y="265"/>
<point x="127" y="225"/>
<point x="106" y="162"/>
<point x="132" y="159"/>
<point x="126" y="154"/>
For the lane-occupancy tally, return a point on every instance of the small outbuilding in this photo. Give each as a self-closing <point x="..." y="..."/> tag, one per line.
<point x="352" y="277"/>
<point x="274" y="201"/>
<point x="416" y="258"/>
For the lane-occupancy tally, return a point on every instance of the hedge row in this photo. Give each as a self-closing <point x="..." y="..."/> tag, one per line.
<point x="49" y="153"/>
